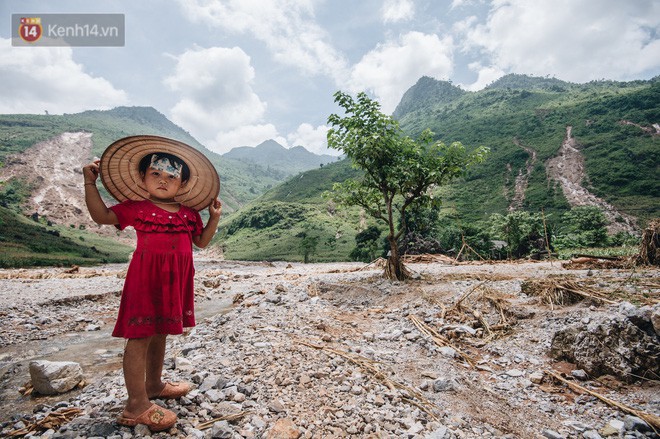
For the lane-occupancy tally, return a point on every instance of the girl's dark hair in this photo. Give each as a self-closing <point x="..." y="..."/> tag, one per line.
<point x="174" y="161"/>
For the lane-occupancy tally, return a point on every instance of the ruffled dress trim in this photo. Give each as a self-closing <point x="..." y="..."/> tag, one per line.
<point x="164" y="221"/>
<point x="145" y="216"/>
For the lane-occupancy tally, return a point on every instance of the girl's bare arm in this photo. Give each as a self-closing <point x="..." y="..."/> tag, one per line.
<point x="97" y="208"/>
<point x="215" y="210"/>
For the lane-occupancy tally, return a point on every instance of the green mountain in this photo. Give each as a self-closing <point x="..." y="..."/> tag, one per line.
<point x="241" y="181"/>
<point x="273" y="156"/>
<point x="610" y="156"/>
<point x="524" y="121"/>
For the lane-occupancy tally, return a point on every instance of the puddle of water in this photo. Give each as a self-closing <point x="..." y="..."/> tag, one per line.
<point x="97" y="352"/>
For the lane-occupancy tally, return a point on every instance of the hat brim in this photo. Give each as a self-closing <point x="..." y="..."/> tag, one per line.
<point x="120" y="174"/>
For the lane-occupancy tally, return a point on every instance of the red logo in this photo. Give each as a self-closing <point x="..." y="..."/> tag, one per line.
<point x="30" y="29"/>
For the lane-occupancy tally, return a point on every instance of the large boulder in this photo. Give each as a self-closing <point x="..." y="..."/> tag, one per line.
<point x="52" y="377"/>
<point x="622" y="343"/>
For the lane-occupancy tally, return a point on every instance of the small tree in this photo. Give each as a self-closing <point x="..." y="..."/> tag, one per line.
<point x="520" y="229"/>
<point x="586" y="226"/>
<point x="307" y="245"/>
<point x="398" y="171"/>
<point x="367" y="245"/>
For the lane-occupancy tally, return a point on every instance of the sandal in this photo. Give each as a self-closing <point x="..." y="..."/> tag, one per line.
<point x="173" y="391"/>
<point x="155" y="417"/>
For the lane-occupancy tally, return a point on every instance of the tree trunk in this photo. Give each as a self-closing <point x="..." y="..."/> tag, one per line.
<point x="394" y="269"/>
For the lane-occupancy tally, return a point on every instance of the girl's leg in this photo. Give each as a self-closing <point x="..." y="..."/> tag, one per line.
<point x="154" y="365"/>
<point x="135" y="365"/>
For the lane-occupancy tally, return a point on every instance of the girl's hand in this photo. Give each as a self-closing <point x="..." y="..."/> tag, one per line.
<point x="215" y="209"/>
<point x="91" y="172"/>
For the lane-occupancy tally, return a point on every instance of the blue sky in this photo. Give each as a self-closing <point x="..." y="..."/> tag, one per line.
<point x="238" y="72"/>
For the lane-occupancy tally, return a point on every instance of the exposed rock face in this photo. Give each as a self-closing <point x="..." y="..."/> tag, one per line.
<point x="50" y="378"/>
<point x="623" y="344"/>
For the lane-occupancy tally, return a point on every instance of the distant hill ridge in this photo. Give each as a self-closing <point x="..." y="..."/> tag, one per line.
<point x="426" y="91"/>
<point x="244" y="175"/>
<point x="271" y="154"/>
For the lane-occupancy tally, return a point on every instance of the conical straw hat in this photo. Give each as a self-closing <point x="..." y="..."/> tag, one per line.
<point x="121" y="176"/>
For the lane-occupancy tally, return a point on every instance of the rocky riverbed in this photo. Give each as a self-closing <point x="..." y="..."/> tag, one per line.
<point x="524" y="350"/>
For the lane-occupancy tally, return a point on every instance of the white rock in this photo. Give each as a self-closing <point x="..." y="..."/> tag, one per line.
<point x="50" y="378"/>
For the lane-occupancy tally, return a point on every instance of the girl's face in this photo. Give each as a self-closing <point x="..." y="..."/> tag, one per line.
<point x="160" y="184"/>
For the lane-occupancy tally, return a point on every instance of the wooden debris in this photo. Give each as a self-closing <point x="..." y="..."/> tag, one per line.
<point x="230" y="418"/>
<point x="649" y="418"/>
<point x="649" y="248"/>
<point x="466" y="295"/>
<point x="53" y="420"/>
<point x="438" y="339"/>
<point x="376" y="263"/>
<point x="466" y="245"/>
<point x="408" y="394"/>
<point x="72" y="270"/>
<point x="562" y="292"/>
<point x="427" y="258"/>
<point x="586" y="262"/>
<point x="26" y="389"/>
<point x="494" y="299"/>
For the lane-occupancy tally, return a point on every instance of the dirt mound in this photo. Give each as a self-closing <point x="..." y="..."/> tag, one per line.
<point x="53" y="167"/>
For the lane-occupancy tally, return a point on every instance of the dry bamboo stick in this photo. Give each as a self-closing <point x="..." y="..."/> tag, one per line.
<point x="232" y="417"/>
<point x="438" y="339"/>
<point x="466" y="295"/>
<point x="410" y="395"/>
<point x="52" y="420"/>
<point x="583" y="294"/>
<point x="651" y="419"/>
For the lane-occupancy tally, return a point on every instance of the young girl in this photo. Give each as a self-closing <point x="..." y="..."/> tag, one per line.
<point x="158" y="294"/>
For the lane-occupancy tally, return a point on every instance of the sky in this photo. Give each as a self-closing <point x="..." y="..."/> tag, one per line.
<point x="239" y="72"/>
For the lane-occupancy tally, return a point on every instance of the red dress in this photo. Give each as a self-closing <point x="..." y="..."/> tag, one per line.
<point x="159" y="294"/>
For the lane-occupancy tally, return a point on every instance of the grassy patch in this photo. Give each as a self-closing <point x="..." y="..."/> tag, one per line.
<point x="27" y="243"/>
<point x="619" y="251"/>
<point x="276" y="233"/>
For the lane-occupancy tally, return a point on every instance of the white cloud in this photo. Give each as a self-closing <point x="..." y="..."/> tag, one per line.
<point x="38" y="79"/>
<point x="393" y="67"/>
<point x="485" y="76"/>
<point x="313" y="139"/>
<point x="216" y="96"/>
<point x="573" y="40"/>
<point x="286" y="27"/>
<point x="463" y="3"/>
<point x="395" y="11"/>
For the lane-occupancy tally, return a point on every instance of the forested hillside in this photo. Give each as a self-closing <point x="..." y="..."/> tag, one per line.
<point x="611" y="128"/>
<point x="520" y="118"/>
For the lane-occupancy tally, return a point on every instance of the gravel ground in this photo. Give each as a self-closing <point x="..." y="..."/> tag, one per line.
<point x="332" y="350"/>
